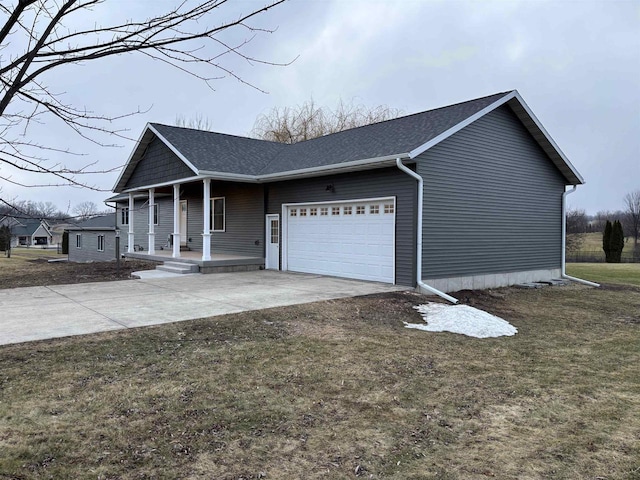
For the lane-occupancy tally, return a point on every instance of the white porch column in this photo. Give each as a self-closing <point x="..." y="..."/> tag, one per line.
<point x="152" y="231"/>
<point x="206" y="230"/>
<point x="131" y="236"/>
<point x="176" y="221"/>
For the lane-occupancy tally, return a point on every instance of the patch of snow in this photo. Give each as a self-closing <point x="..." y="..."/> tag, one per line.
<point x="461" y="319"/>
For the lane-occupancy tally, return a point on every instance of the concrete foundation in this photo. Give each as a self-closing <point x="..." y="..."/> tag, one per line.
<point x="231" y="268"/>
<point x="493" y="280"/>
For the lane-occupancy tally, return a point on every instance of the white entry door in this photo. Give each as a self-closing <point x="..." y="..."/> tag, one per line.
<point x="354" y="239"/>
<point x="272" y="236"/>
<point x="183" y="222"/>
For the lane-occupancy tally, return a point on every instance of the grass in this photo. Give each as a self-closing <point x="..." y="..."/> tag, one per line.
<point x="592" y="246"/>
<point x="336" y="389"/>
<point x="616" y="273"/>
<point x="28" y="267"/>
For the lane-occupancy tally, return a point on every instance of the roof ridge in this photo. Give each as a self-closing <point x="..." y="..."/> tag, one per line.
<point x="217" y="133"/>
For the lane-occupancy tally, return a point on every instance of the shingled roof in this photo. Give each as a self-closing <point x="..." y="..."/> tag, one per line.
<point x="228" y="156"/>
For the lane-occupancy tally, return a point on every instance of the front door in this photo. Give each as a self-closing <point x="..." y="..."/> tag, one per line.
<point x="183" y="222"/>
<point x="272" y="236"/>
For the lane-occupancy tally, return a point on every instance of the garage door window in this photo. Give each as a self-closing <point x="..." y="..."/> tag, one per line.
<point x="388" y="208"/>
<point x="374" y="209"/>
<point x="293" y="212"/>
<point x="360" y="210"/>
<point x="347" y="210"/>
<point x="324" y="211"/>
<point x="335" y="210"/>
<point x="313" y="212"/>
<point x="303" y="212"/>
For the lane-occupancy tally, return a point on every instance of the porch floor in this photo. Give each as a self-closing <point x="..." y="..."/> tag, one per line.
<point x="195" y="257"/>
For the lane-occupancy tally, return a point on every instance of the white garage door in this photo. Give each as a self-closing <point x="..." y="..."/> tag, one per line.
<point x="353" y="240"/>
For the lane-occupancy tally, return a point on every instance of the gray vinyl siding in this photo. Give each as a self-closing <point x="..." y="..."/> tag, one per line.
<point x="368" y="184"/>
<point x="158" y="164"/>
<point x="141" y="223"/>
<point x="244" y="222"/>
<point x="244" y="218"/>
<point x="492" y="201"/>
<point x="89" y="249"/>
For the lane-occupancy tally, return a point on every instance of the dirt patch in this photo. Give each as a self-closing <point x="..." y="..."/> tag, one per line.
<point x="17" y="272"/>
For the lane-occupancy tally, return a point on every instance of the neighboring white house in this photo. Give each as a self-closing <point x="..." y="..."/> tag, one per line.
<point x="28" y="232"/>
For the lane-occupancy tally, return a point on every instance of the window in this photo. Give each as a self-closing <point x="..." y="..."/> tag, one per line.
<point x="78" y="240"/>
<point x="374" y="209"/>
<point x="218" y="214"/>
<point x="275" y="233"/>
<point x="155" y="213"/>
<point x="388" y="208"/>
<point x="347" y="210"/>
<point x="303" y="212"/>
<point x="124" y="216"/>
<point x="293" y="212"/>
<point x="313" y="212"/>
<point x="360" y="210"/>
<point x="335" y="210"/>
<point x="101" y="243"/>
<point x="324" y="211"/>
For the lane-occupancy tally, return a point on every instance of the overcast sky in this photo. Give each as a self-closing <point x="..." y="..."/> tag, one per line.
<point x="575" y="63"/>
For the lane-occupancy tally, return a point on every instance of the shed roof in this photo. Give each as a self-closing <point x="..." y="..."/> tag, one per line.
<point x="102" y="222"/>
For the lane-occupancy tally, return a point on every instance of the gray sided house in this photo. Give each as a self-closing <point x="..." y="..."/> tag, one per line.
<point x="465" y="196"/>
<point x="28" y="232"/>
<point x="93" y="240"/>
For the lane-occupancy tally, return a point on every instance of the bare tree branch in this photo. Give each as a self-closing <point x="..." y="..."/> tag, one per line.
<point x="191" y="36"/>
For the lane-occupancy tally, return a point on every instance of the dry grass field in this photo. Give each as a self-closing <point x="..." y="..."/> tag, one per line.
<point x="29" y="267"/>
<point x="337" y="389"/>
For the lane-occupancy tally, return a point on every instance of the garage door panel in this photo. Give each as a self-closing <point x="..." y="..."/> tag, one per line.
<point x="357" y="245"/>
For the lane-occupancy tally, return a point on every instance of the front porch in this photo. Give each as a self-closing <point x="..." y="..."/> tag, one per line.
<point x="219" y="262"/>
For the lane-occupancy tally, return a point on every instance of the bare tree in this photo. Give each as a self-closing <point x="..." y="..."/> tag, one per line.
<point x="632" y="204"/>
<point x="85" y="210"/>
<point x="38" y="37"/>
<point x="198" y="122"/>
<point x="307" y="121"/>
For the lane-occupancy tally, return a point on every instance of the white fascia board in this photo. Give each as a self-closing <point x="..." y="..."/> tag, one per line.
<point x="456" y="128"/>
<point x="173" y="149"/>
<point x="164" y="184"/>
<point x="124" y="168"/>
<point x="548" y="137"/>
<point x="334" y="168"/>
<point x="239" y="177"/>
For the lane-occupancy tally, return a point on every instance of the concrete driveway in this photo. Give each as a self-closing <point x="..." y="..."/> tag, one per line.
<point x="37" y="313"/>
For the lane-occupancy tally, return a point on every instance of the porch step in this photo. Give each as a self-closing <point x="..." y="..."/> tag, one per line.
<point x="178" y="267"/>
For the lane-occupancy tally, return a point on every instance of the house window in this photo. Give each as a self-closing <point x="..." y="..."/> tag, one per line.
<point x="101" y="243"/>
<point x="313" y="212"/>
<point x="124" y="216"/>
<point x="78" y="240"/>
<point x="324" y="211"/>
<point x="374" y="209"/>
<point x="347" y="210"/>
<point x="388" y="208"/>
<point x="293" y="212"/>
<point x="360" y="210"/>
<point x="335" y="210"/>
<point x="218" y="214"/>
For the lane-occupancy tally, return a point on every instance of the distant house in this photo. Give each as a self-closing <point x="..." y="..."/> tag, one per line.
<point x="466" y="196"/>
<point x="28" y="232"/>
<point x="93" y="240"/>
